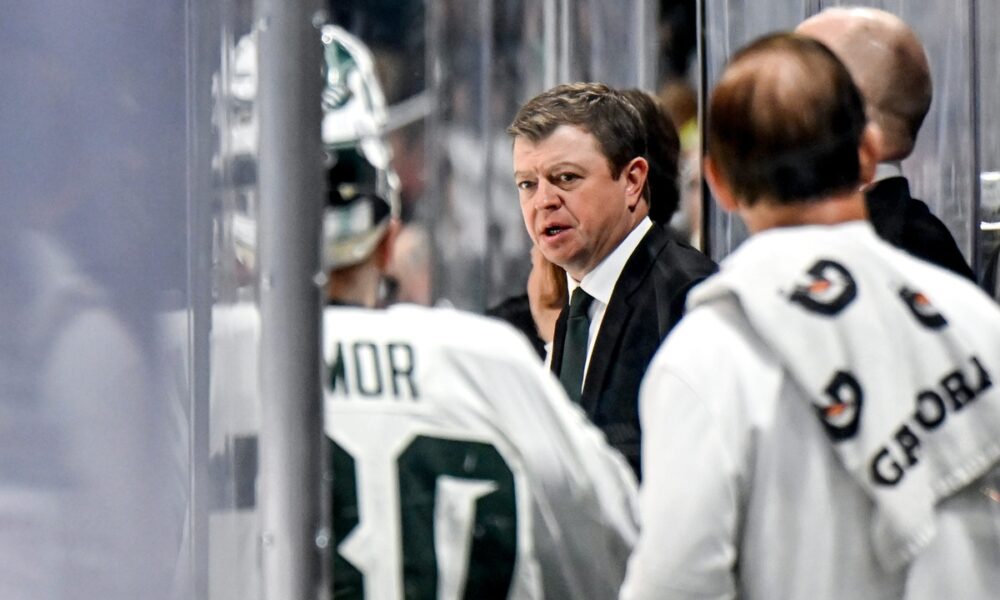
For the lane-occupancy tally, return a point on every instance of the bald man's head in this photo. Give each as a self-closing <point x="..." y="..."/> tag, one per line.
<point x="889" y="66"/>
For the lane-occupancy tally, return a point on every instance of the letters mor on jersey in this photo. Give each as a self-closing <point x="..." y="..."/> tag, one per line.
<point x="369" y="369"/>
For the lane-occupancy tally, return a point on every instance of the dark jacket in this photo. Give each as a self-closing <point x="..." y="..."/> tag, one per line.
<point x="908" y="224"/>
<point x="646" y="303"/>
<point x="516" y="310"/>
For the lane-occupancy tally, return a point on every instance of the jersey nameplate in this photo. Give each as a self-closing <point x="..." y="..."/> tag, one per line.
<point x="371" y="370"/>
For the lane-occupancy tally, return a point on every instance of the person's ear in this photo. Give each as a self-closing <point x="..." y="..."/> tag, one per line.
<point x="383" y="253"/>
<point x="636" y="172"/>
<point x="871" y="141"/>
<point x="721" y="191"/>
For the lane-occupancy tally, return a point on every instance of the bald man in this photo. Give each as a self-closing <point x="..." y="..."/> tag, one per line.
<point x="889" y="66"/>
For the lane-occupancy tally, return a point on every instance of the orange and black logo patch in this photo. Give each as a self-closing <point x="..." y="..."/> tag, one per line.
<point x="828" y="289"/>
<point x="841" y="414"/>
<point x="922" y="309"/>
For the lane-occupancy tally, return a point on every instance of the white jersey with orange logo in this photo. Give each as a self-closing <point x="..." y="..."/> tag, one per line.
<point x="750" y="487"/>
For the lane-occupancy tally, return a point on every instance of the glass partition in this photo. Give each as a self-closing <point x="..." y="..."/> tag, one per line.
<point x="942" y="169"/>
<point x="987" y="23"/>
<point x="129" y="363"/>
<point x="455" y="73"/>
<point x="728" y="26"/>
<point x="95" y="406"/>
<point x="218" y="321"/>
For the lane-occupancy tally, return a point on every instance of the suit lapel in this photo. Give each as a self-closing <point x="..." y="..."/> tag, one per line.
<point x="617" y="315"/>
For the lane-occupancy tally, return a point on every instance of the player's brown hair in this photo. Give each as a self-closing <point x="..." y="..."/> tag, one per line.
<point x="785" y="121"/>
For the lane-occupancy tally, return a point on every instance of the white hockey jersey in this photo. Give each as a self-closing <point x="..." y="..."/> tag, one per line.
<point x="460" y="468"/>
<point x="750" y="488"/>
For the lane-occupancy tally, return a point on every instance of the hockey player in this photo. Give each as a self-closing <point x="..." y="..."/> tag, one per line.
<point x="460" y="468"/>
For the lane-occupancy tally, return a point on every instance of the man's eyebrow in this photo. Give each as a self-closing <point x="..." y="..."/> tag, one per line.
<point x="553" y="167"/>
<point x="566" y="164"/>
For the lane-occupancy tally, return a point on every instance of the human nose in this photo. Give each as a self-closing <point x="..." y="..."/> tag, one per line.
<point x="546" y="196"/>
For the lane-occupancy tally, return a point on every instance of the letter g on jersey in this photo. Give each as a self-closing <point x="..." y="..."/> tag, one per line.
<point x="829" y="289"/>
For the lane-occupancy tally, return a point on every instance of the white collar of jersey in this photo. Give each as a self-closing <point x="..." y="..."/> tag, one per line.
<point x="887" y="170"/>
<point x="600" y="282"/>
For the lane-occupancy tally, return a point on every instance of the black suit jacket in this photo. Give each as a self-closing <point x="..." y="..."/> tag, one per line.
<point x="516" y="310"/>
<point x="907" y="223"/>
<point x="646" y="303"/>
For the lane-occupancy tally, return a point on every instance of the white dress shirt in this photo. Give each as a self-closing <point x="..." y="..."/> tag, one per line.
<point x="600" y="282"/>
<point x="886" y="170"/>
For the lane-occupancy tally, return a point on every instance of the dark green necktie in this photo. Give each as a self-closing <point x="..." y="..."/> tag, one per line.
<point x="574" y="356"/>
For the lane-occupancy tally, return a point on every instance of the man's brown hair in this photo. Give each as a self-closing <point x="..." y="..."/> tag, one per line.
<point x="663" y="148"/>
<point x="785" y="121"/>
<point x="596" y="108"/>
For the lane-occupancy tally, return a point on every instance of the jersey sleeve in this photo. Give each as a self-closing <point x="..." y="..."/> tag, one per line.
<point x="584" y="494"/>
<point x="689" y="502"/>
<point x="605" y="470"/>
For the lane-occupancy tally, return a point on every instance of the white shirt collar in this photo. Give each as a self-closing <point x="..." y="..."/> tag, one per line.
<point x="885" y="170"/>
<point x="600" y="281"/>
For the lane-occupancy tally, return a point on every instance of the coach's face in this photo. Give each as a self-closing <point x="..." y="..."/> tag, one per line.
<point x="575" y="212"/>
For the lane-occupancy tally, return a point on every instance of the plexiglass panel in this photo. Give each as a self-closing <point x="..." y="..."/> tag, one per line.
<point x="95" y="412"/>
<point x="729" y="25"/>
<point x="455" y="73"/>
<point x="129" y="395"/>
<point x="942" y="168"/>
<point x="988" y="37"/>
<point x="477" y="49"/>
<point x="609" y="41"/>
<point x="229" y="352"/>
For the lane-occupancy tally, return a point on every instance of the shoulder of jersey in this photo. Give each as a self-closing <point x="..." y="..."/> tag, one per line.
<point x="938" y="279"/>
<point x="441" y="327"/>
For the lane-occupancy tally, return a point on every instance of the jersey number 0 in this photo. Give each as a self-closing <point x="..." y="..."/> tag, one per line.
<point x="423" y="466"/>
